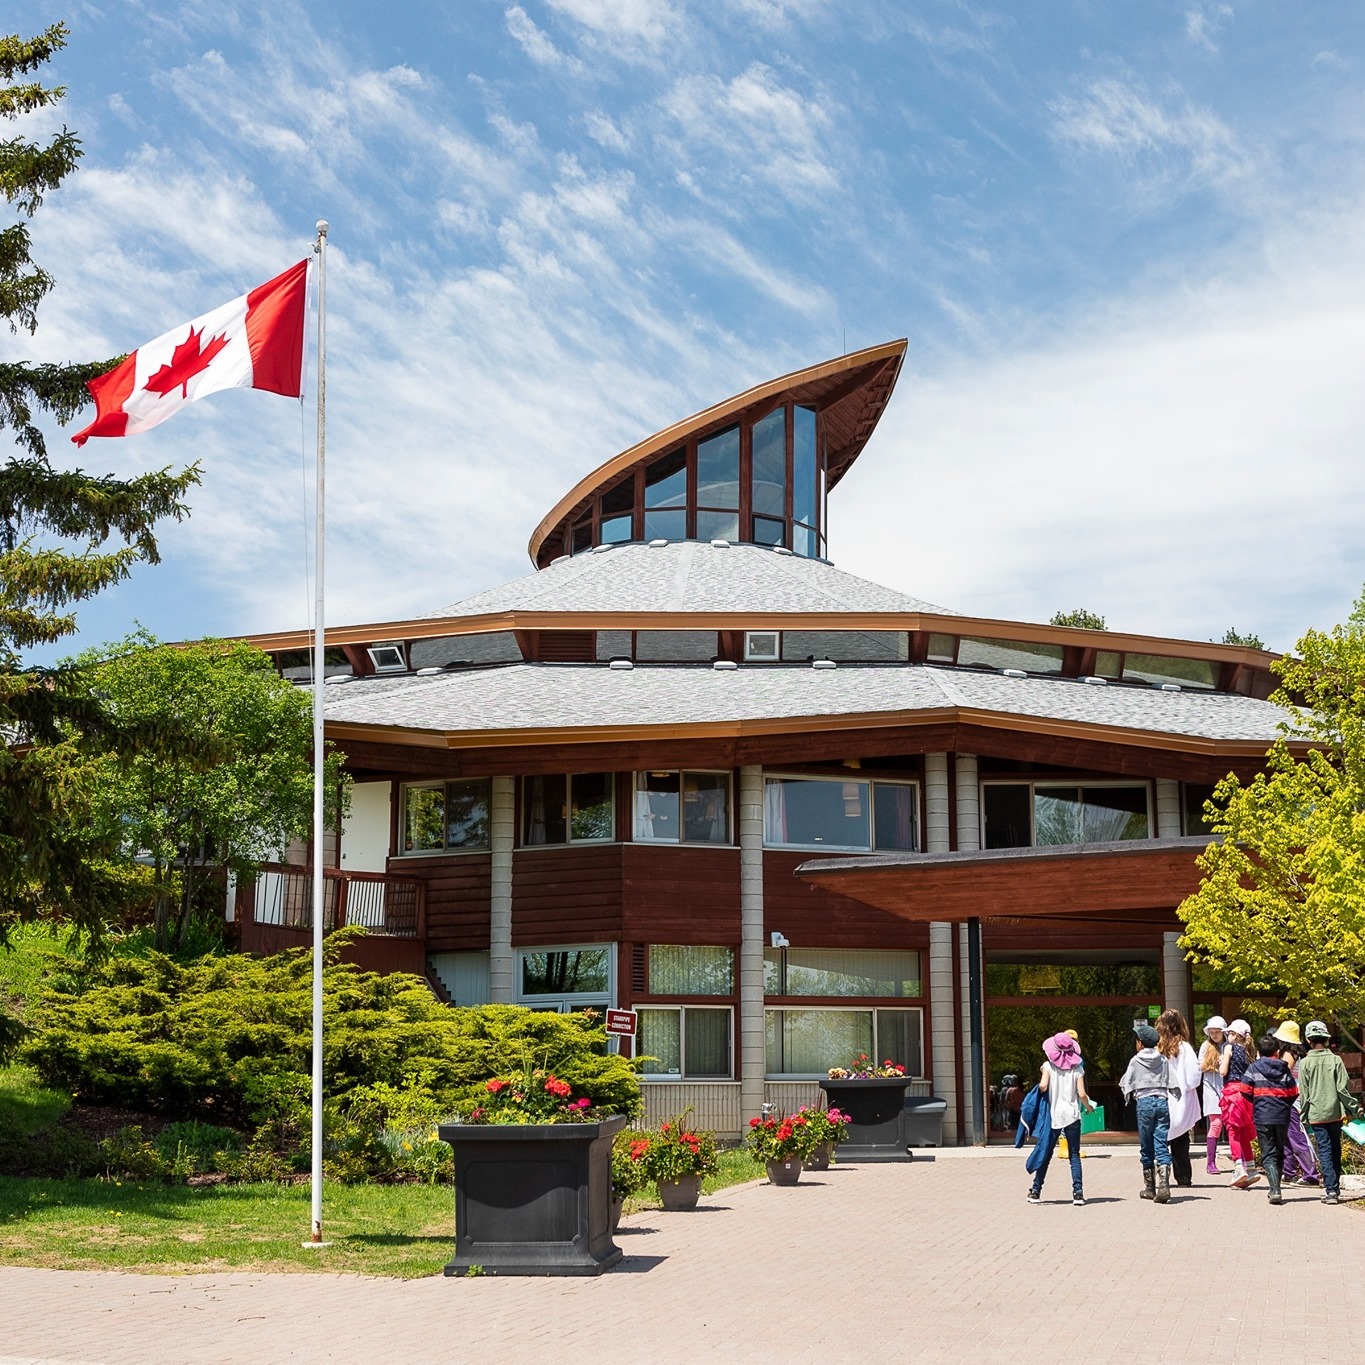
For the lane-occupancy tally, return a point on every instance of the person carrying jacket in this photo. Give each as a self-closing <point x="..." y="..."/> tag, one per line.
<point x="1273" y="1093"/>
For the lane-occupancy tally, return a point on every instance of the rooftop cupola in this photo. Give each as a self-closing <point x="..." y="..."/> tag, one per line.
<point x="754" y="469"/>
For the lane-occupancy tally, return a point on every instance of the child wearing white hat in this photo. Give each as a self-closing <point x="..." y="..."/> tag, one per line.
<point x="1238" y="1120"/>
<point x="1210" y="1057"/>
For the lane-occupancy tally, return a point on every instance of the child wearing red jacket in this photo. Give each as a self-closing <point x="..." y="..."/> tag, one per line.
<point x="1273" y="1093"/>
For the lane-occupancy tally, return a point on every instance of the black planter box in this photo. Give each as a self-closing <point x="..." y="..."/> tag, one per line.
<point x="876" y="1110"/>
<point x="533" y="1199"/>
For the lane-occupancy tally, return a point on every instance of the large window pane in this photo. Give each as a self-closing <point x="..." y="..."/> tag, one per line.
<point x="1057" y="816"/>
<point x="803" y="542"/>
<point x="424" y="818"/>
<point x="769" y="531"/>
<point x="615" y="530"/>
<point x="666" y="481"/>
<point x="718" y="470"/>
<point x="660" y="1038"/>
<point x="770" y="464"/>
<point x="1192" y="818"/>
<point x="676" y="969"/>
<point x="576" y="971"/>
<point x="1155" y="668"/>
<point x="874" y="972"/>
<point x="619" y="499"/>
<point x="805" y="813"/>
<point x="893" y="808"/>
<point x="544" y="810"/>
<point x="1008" y="809"/>
<point x="656" y="806"/>
<point x="1031" y="658"/>
<point x="706" y="808"/>
<point x="718" y="526"/>
<point x="665" y="525"/>
<point x="809" y="1042"/>
<point x="707" y="1035"/>
<point x="592" y="809"/>
<point x="467" y="814"/>
<point x="804" y="488"/>
<point x="898" y="1039"/>
<point x="1114" y="813"/>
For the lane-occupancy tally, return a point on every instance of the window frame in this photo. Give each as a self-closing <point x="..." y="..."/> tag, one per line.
<point x="680" y="842"/>
<point x="569" y="841"/>
<point x="683" y="1076"/>
<point x="564" y="1002"/>
<point x="771" y="1006"/>
<point x="446" y="850"/>
<point x="872" y="784"/>
<point x="1033" y="783"/>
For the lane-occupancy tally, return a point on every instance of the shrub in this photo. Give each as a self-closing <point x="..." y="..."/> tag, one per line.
<point x="628" y="1172"/>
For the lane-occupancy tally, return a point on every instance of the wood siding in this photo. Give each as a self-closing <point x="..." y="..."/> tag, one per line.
<point x="567" y="895"/>
<point x="816" y="917"/>
<point x="376" y="953"/>
<point x="458" y="893"/>
<point x="679" y="893"/>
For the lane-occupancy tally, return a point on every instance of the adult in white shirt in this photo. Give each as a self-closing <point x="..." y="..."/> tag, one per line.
<point x="1173" y="1042"/>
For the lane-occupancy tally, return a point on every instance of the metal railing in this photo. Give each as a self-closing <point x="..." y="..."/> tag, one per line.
<point x="389" y="906"/>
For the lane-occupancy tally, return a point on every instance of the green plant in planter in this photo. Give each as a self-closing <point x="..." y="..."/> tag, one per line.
<point x="824" y="1126"/>
<point x="772" y="1139"/>
<point x="629" y="1174"/>
<point x="531" y="1095"/>
<point x="676" y="1150"/>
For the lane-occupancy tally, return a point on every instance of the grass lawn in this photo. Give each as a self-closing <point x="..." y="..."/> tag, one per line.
<point x="400" y="1230"/>
<point x="26" y="1105"/>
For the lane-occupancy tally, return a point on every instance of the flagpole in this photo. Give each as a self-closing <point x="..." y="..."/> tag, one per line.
<point x="319" y="678"/>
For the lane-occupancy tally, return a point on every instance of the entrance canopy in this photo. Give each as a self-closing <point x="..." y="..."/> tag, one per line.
<point x="1018" y="883"/>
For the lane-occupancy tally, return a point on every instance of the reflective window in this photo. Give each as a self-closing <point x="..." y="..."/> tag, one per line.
<point x="666" y="481"/>
<point x="804" y="489"/>
<point x="1193" y="819"/>
<point x="617" y="529"/>
<point x="1031" y="658"/>
<point x="769" y="531"/>
<point x="841" y="971"/>
<point x="562" y="809"/>
<point x="803" y="542"/>
<point x="718" y="470"/>
<point x="770" y="464"/>
<point x="665" y="525"/>
<point x="1018" y="815"/>
<point x="942" y="649"/>
<point x="1154" y="668"/>
<point x="893" y="812"/>
<point x="620" y="499"/>
<point x="686" y="1041"/>
<point x="839" y="813"/>
<point x="718" y="526"/>
<point x="581" y="538"/>
<point x="683" y="969"/>
<point x="673" y="807"/>
<point x="573" y="971"/>
<point x="807" y="1042"/>
<point x="1108" y="664"/>
<point x="446" y="815"/>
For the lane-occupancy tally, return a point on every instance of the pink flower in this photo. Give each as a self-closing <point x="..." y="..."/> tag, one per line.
<point x="584" y="1103"/>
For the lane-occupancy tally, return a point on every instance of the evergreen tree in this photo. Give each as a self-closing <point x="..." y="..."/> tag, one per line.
<point x="1087" y="620"/>
<point x="1233" y="636"/>
<point x="64" y="536"/>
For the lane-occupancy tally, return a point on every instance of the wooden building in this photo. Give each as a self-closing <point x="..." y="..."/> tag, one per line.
<point x="690" y="767"/>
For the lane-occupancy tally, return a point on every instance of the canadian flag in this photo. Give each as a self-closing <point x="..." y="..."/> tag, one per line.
<point x="254" y="342"/>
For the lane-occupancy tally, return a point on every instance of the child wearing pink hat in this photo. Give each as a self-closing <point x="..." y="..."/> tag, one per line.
<point x="1062" y="1080"/>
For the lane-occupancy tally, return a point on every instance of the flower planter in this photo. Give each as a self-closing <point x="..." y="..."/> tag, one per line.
<point x="786" y="1172"/>
<point x="533" y="1199"/>
<point x="818" y="1160"/>
<point x="876" y="1107"/>
<point x="680" y="1195"/>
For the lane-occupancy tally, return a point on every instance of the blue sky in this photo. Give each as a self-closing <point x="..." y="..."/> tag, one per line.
<point x="1123" y="242"/>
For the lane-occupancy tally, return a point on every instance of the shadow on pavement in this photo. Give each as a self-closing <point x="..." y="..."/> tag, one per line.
<point x="636" y="1265"/>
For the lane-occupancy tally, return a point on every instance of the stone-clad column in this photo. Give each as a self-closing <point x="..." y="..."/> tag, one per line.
<point x="752" y="1049"/>
<point x="501" y="836"/>
<point x="1177" y="989"/>
<point x="968" y="804"/>
<point x="942" y="1015"/>
<point x="1167" y="808"/>
<point x="936" y="803"/>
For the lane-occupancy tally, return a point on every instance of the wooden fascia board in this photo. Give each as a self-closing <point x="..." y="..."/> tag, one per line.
<point x="425" y="628"/>
<point x="786" y="725"/>
<point x="680" y="431"/>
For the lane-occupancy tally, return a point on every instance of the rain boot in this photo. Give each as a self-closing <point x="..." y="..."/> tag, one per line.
<point x="1148" y="1183"/>
<point x="1272" y="1174"/>
<point x="1163" y="1185"/>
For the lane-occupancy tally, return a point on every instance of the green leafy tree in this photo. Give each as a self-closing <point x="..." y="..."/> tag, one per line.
<point x="1086" y="620"/>
<point x="64" y="536"/>
<point x="1233" y="636"/>
<point x="226" y="779"/>
<point x="1282" y="902"/>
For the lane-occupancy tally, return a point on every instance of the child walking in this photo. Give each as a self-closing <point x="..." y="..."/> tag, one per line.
<point x="1300" y="1162"/>
<point x="1325" y="1098"/>
<point x="1273" y="1093"/>
<point x="1210" y="1055"/>
<point x="1148" y="1081"/>
<point x="1236" y="1102"/>
<point x="1062" y="1080"/>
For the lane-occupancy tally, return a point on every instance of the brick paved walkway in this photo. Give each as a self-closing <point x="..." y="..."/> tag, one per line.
<point x="932" y="1261"/>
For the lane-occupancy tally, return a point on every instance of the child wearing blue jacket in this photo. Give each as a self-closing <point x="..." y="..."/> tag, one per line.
<point x="1273" y="1093"/>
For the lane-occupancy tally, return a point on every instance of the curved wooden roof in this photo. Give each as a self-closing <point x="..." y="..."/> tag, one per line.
<point x="850" y="392"/>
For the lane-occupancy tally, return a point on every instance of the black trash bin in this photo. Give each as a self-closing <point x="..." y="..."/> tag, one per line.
<point x="923" y="1120"/>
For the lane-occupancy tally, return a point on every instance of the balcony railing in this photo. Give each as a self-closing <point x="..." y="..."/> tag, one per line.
<point x="390" y="906"/>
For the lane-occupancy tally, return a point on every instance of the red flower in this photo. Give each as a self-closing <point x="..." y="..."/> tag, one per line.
<point x="785" y="1131"/>
<point x="753" y="1123"/>
<point x="665" y="1127"/>
<point x="638" y="1148"/>
<point x="494" y="1086"/>
<point x="561" y="1089"/>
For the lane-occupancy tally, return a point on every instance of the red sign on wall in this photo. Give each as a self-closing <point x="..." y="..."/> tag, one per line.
<point x="622" y="1021"/>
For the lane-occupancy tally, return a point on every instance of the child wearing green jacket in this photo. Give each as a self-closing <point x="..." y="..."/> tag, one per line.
<point x="1325" y="1099"/>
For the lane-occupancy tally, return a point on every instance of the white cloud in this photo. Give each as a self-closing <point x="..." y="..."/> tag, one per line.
<point x="535" y="42"/>
<point x="605" y="132"/>
<point x="648" y="22"/>
<point x="1204" y="23"/>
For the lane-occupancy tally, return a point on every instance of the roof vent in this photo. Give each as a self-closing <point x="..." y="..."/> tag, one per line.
<point x="823" y="663"/>
<point x="561" y="559"/>
<point x="1096" y="682"/>
<point x="1014" y="673"/>
<point x="601" y="549"/>
<point x="429" y="672"/>
<point x="781" y="550"/>
<point x="720" y="544"/>
<point x="337" y="678"/>
<point x="724" y="665"/>
<point x="621" y="664"/>
<point x="1170" y="687"/>
<point x="655" y="544"/>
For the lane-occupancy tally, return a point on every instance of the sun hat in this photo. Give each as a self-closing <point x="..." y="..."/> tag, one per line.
<point x="1072" y="1034"/>
<point x="1288" y="1032"/>
<point x="1146" y="1035"/>
<point x="1240" y="1026"/>
<point x="1217" y="1022"/>
<point x="1317" y="1029"/>
<point x="1062" y="1051"/>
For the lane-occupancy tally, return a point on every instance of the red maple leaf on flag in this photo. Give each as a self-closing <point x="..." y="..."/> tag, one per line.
<point x="187" y="360"/>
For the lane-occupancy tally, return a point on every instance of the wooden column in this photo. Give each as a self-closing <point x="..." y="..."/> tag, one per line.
<point x="501" y="836"/>
<point x="752" y="1049"/>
